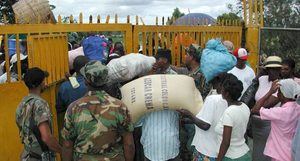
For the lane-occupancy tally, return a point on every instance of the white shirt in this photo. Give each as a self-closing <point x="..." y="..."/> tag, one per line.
<point x="263" y="88"/>
<point x="206" y="141"/>
<point x="3" y="78"/>
<point x="236" y="117"/>
<point x="245" y="75"/>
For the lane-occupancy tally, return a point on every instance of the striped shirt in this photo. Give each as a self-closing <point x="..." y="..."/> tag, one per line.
<point x="160" y="135"/>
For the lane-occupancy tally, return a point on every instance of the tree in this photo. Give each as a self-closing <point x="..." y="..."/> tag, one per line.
<point x="175" y="15"/>
<point x="280" y="14"/>
<point x="6" y="9"/>
<point x="229" y="16"/>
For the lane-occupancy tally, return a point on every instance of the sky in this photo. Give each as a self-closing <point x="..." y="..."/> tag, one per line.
<point x="147" y="9"/>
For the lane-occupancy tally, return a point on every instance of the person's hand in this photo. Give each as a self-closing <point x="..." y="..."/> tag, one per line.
<point x="67" y="75"/>
<point x="155" y="67"/>
<point x="275" y="86"/>
<point x="185" y="113"/>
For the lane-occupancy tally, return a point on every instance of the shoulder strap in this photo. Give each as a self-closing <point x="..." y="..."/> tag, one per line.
<point x="36" y="132"/>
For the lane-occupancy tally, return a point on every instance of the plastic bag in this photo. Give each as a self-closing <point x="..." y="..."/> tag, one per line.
<point x="216" y="59"/>
<point x="128" y="67"/>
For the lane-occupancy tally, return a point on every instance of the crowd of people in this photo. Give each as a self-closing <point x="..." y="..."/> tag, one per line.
<point x="97" y="124"/>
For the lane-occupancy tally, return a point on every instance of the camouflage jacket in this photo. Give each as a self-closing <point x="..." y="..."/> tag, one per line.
<point x="94" y="124"/>
<point x="200" y="82"/>
<point x="41" y="113"/>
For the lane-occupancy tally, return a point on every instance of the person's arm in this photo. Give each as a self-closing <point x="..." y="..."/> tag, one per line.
<point x="126" y="128"/>
<point x="264" y="100"/>
<point x="225" y="142"/>
<point x="67" y="151"/>
<point x="198" y="122"/>
<point x="128" y="143"/>
<point x="48" y="138"/>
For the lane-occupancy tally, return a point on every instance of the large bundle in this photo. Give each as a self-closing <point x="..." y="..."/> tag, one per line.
<point x="216" y="59"/>
<point x="129" y="66"/>
<point x="73" y="54"/>
<point x="33" y="11"/>
<point x="94" y="47"/>
<point x="157" y="92"/>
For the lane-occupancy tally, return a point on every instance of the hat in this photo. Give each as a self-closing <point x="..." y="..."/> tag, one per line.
<point x="241" y="53"/>
<point x="95" y="73"/>
<point x="194" y="49"/>
<point x="273" y="62"/>
<point x="14" y="58"/>
<point x="34" y="77"/>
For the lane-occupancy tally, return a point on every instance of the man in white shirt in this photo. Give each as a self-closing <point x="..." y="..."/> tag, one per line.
<point x="242" y="71"/>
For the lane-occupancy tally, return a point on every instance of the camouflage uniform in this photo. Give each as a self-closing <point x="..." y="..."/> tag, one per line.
<point x="36" y="108"/>
<point x="96" y="122"/>
<point x="200" y="82"/>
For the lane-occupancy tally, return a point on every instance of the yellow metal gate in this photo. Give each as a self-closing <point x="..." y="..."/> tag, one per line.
<point x="49" y="52"/>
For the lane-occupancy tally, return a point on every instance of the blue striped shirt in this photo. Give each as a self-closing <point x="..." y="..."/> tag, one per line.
<point x="160" y="135"/>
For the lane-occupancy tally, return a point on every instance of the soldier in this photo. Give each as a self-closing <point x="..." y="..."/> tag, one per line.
<point x="97" y="126"/>
<point x="34" y="120"/>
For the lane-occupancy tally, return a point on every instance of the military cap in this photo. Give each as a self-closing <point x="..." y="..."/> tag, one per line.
<point x="194" y="50"/>
<point x="95" y="73"/>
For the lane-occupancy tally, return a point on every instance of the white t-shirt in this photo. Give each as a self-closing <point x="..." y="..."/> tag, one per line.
<point x="245" y="75"/>
<point x="236" y="117"/>
<point x="206" y="141"/>
<point x="263" y="88"/>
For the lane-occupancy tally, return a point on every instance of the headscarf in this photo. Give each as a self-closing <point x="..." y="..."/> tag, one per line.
<point x="290" y="89"/>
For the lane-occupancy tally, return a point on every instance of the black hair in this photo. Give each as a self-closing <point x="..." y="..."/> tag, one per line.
<point x="219" y="78"/>
<point x="164" y="53"/>
<point x="34" y="77"/>
<point x="290" y="62"/>
<point x="79" y="62"/>
<point x="192" y="51"/>
<point x="233" y="86"/>
<point x="119" y="48"/>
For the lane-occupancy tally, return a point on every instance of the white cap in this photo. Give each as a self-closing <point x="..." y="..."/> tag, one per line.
<point x="14" y="58"/>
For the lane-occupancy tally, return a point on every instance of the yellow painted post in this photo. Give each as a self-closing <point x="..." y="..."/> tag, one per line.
<point x="6" y="57"/>
<point x="59" y="19"/>
<point x="107" y="19"/>
<point x="18" y="56"/>
<point x="156" y="41"/>
<point x="4" y="19"/>
<point x="98" y="19"/>
<point x="16" y="19"/>
<point x="168" y="40"/>
<point x="173" y="20"/>
<point x="80" y="18"/>
<point x="144" y="43"/>
<point x="162" y="40"/>
<point x="261" y="12"/>
<point x="173" y="48"/>
<point x="256" y="12"/>
<point x="91" y="19"/>
<point x="250" y="13"/>
<point x="150" y="42"/>
<point x="116" y="19"/>
<point x="245" y="11"/>
<point x="71" y="19"/>
<point x="39" y="19"/>
<point x="128" y="19"/>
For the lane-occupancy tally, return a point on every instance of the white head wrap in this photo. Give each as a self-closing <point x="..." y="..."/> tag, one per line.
<point x="290" y="89"/>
